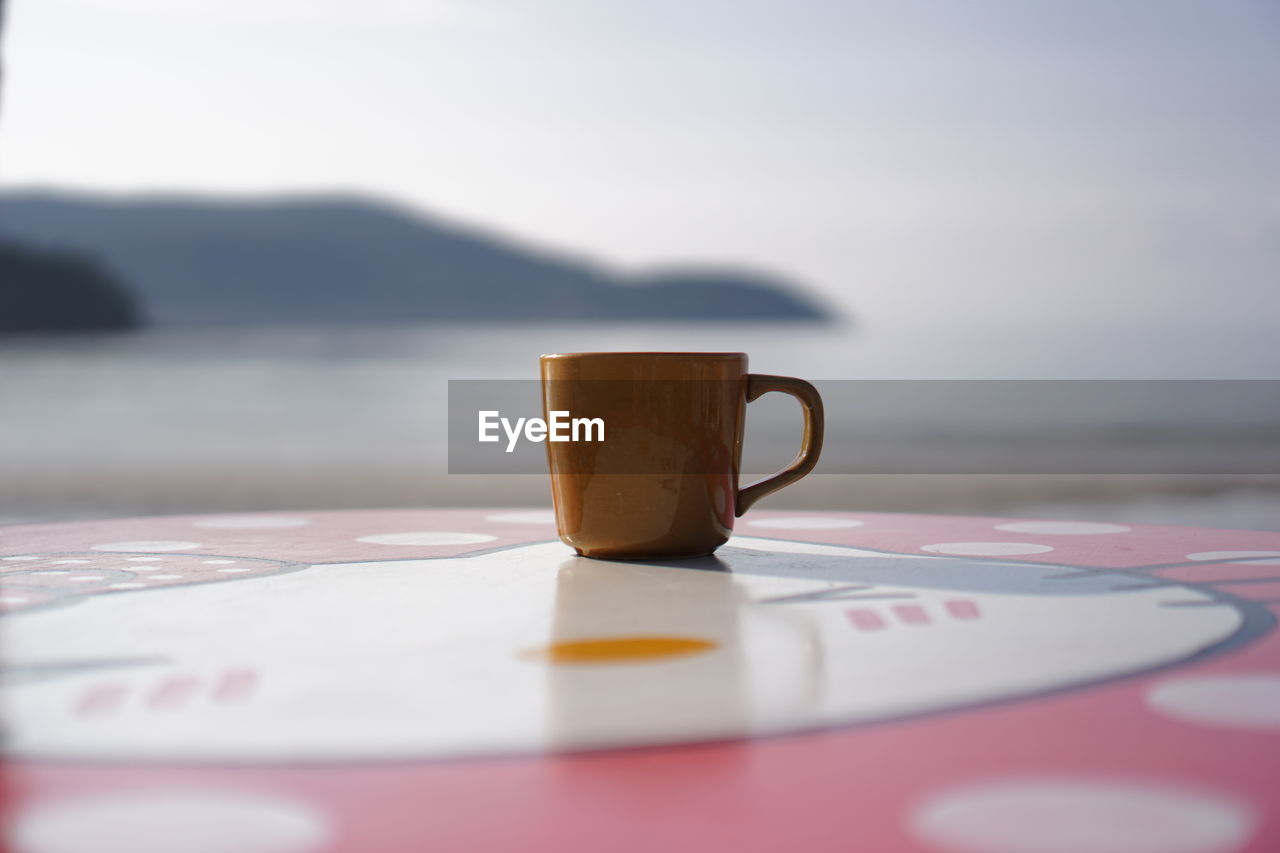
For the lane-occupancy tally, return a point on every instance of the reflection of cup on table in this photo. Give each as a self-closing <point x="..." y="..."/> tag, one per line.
<point x="645" y="653"/>
<point x="661" y="653"/>
<point x="663" y="481"/>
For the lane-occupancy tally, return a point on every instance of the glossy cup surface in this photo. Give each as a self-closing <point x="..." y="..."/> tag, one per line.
<point x="664" y="481"/>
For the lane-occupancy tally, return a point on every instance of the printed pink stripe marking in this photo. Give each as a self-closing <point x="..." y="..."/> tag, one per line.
<point x="912" y="614"/>
<point x="100" y="699"/>
<point x="962" y="609"/>
<point x="173" y="693"/>
<point x="865" y="620"/>
<point x="235" y="685"/>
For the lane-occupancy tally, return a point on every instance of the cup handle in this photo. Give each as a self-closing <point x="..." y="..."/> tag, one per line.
<point x="759" y="384"/>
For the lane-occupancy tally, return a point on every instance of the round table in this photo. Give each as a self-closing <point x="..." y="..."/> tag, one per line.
<point x="459" y="680"/>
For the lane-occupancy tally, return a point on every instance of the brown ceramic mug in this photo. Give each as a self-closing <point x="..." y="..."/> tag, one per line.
<point x="663" y="482"/>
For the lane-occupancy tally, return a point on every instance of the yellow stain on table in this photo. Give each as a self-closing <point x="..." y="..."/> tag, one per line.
<point x="620" y="649"/>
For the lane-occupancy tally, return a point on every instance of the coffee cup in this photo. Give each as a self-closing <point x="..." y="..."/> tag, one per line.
<point x="660" y="481"/>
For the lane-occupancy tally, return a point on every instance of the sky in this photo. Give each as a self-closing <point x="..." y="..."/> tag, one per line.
<point x="988" y="162"/>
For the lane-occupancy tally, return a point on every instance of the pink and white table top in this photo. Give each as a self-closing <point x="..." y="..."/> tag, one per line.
<point x="458" y="680"/>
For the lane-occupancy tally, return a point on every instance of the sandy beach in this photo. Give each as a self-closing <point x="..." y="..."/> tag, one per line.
<point x="1231" y="502"/>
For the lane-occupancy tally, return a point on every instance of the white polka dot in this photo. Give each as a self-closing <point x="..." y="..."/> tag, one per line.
<point x="1081" y="815"/>
<point x="19" y="558"/>
<point x="149" y="545"/>
<point x="143" y="559"/>
<point x="218" y="562"/>
<point x="146" y="568"/>
<point x="13" y="599"/>
<point x="85" y="578"/>
<point x="1268" y="558"/>
<point x="127" y="585"/>
<point x="427" y="537"/>
<point x="1062" y="528"/>
<point x="165" y="821"/>
<point x="232" y="571"/>
<point x="165" y="577"/>
<point x="986" y="549"/>
<point x="252" y="522"/>
<point x="805" y="522"/>
<point x="535" y="516"/>
<point x="65" y="562"/>
<point x="1245" y="701"/>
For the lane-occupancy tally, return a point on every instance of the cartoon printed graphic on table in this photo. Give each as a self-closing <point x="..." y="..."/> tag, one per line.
<point x="527" y="648"/>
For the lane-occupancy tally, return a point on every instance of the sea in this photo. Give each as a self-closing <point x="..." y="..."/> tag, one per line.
<point x="190" y="420"/>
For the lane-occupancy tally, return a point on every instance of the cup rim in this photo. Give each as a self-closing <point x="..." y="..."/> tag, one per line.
<point x="639" y="354"/>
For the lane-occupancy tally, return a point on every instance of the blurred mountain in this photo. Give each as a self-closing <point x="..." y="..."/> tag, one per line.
<point x="329" y="260"/>
<point x="43" y="290"/>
